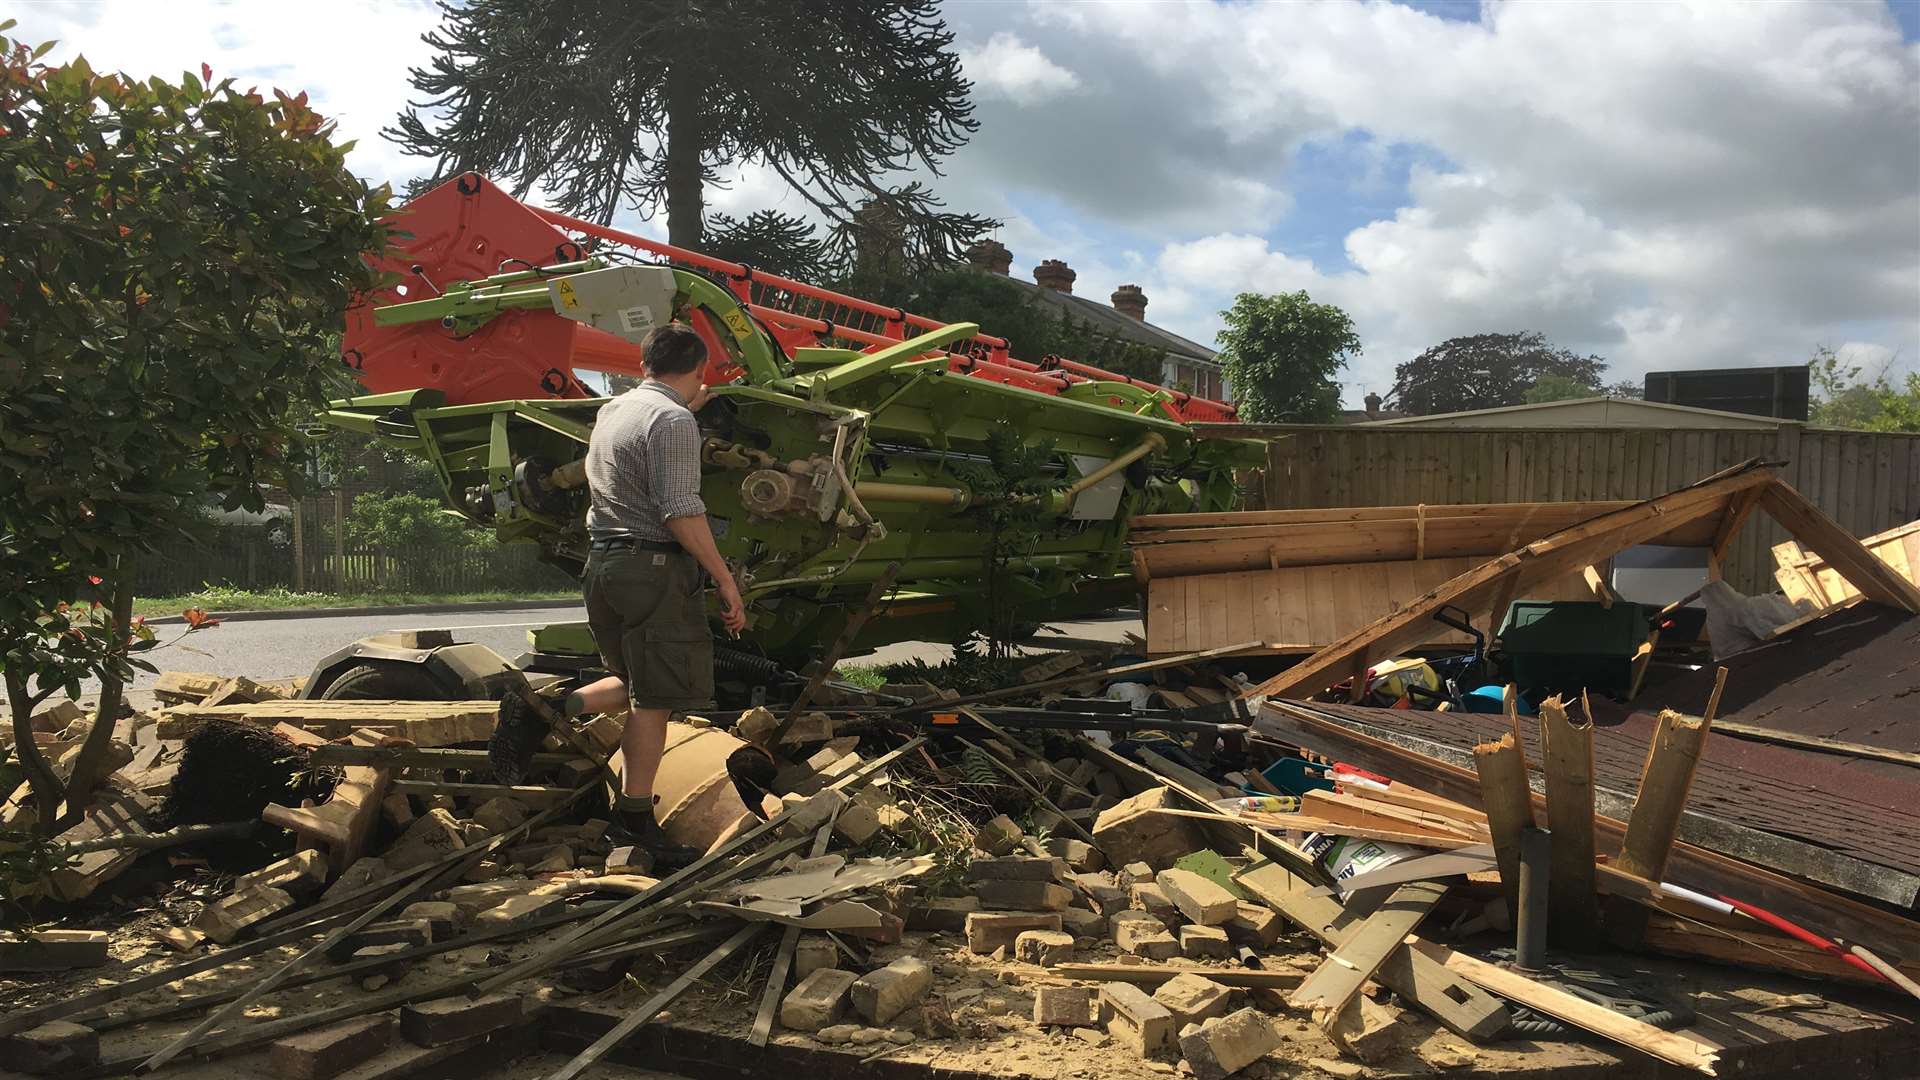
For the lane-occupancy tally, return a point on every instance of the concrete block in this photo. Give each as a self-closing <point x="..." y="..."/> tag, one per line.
<point x="226" y="919"/>
<point x="998" y="836"/>
<point x="814" y="952"/>
<point x="1135" y="873"/>
<point x="450" y="1019"/>
<point x="1254" y="926"/>
<point x="1192" y="999"/>
<point x="1043" y="947"/>
<point x="1003" y="895"/>
<point x="301" y="874"/>
<point x="1198" y="898"/>
<point x="430" y="838"/>
<point x="499" y="814"/>
<point x="1080" y="856"/>
<point x="1017" y="868"/>
<point x="1066" y="1006"/>
<point x="51" y="1049"/>
<point x="53" y="950"/>
<point x="990" y="930"/>
<point x="1137" y="1021"/>
<point x="818" y="1001"/>
<point x="1143" y="935"/>
<point x="1221" y="1047"/>
<point x="1132" y="832"/>
<point x="881" y="995"/>
<point x="329" y="1051"/>
<point x="441" y="916"/>
<point x="807" y="815"/>
<point x="856" y="825"/>
<point x="1102" y="894"/>
<point x="1204" y="943"/>
<point x="1082" y="923"/>
<point x="1147" y="897"/>
<point x="947" y="914"/>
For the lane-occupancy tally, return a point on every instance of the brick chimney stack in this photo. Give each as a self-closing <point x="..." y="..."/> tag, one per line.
<point x="991" y="256"/>
<point x="1373" y="406"/>
<point x="1056" y="275"/>
<point x="1128" y="300"/>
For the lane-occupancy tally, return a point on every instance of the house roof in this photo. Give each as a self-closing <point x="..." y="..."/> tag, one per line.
<point x="1109" y="321"/>
<point x="1592" y="412"/>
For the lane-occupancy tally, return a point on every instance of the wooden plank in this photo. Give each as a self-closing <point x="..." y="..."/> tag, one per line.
<point x="531" y="794"/>
<point x="1345" y="970"/>
<point x="406" y="757"/>
<point x="1456" y="1003"/>
<point x="1669" y="1046"/>
<point x="1814" y="743"/>
<point x="1246" y="978"/>
<point x="1543" y="560"/>
<point x="423" y="723"/>
<point x="1503" y="787"/>
<point x="1567" y="759"/>
<point x="1875" y="579"/>
<point x="1665" y="782"/>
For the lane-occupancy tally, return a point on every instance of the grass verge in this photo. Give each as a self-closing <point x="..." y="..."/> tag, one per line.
<point x="218" y="599"/>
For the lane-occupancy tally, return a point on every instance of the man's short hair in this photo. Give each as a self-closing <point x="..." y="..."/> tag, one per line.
<point x="673" y="349"/>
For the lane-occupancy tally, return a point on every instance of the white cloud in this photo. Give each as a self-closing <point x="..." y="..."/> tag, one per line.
<point x="350" y="56"/>
<point x="1669" y="185"/>
<point x="1010" y="68"/>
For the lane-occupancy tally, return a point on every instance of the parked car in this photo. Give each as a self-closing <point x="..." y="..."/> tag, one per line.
<point x="275" y="519"/>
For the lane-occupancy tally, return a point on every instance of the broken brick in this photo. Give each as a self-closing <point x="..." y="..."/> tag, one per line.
<point x="329" y="1051"/>
<point x="1043" y="947"/>
<point x="818" y="1001"/>
<point x="1204" y="943"/>
<point x="50" y="1049"/>
<point x="881" y="995"/>
<point x="1221" y="1047"/>
<point x="1136" y="1020"/>
<point x="450" y="1019"/>
<point x="53" y="950"/>
<point x="1004" y="895"/>
<point x="990" y="930"/>
<point x="1198" y="898"/>
<point x="226" y="919"/>
<point x="1192" y="999"/>
<point x="1066" y="1006"/>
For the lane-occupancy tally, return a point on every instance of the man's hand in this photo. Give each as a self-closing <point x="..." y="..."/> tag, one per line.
<point x="700" y="397"/>
<point x="733" y="610"/>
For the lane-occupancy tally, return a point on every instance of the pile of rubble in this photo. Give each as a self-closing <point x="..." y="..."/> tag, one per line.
<point x="1141" y="881"/>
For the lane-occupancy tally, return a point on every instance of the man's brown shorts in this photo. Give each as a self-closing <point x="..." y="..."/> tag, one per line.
<point x="649" y="617"/>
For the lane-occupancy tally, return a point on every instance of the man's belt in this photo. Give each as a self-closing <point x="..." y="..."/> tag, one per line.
<point x="635" y="543"/>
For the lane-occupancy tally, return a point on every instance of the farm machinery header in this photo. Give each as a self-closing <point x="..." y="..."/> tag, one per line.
<point x="841" y="436"/>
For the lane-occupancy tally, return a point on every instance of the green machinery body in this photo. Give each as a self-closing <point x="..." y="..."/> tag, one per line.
<point x="820" y="469"/>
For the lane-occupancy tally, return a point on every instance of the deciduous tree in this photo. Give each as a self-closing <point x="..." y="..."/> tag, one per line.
<point x="1281" y="354"/>
<point x="1487" y="371"/>
<point x="178" y="259"/>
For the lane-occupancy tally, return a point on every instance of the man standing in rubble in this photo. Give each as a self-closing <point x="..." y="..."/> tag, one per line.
<point x="651" y="550"/>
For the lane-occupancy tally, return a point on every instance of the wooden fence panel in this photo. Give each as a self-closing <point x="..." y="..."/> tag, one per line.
<point x="1867" y="481"/>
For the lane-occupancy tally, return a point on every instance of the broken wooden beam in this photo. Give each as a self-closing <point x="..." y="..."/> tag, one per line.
<point x="414" y="757"/>
<point x="1665" y="782"/>
<point x="1674" y="1047"/>
<point x="531" y="794"/>
<point x="1509" y="806"/>
<point x="1354" y="961"/>
<point x="1567" y="759"/>
<point x="422" y="723"/>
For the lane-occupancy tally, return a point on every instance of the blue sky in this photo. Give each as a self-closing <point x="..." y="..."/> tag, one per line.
<point x="1667" y="185"/>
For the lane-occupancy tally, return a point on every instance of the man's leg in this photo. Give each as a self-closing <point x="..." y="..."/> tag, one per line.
<point x="603" y="696"/>
<point x="641" y="745"/>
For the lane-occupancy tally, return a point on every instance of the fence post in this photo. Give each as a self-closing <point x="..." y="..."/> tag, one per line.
<point x="339" y="539"/>
<point x="299" y="547"/>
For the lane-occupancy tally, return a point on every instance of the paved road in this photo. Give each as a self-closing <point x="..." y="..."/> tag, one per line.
<point x="281" y="648"/>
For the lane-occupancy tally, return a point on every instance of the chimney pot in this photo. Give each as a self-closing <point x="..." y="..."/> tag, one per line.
<point x="1128" y="300"/>
<point x="991" y="256"/>
<point x="1054" y="274"/>
<point x="1373" y="406"/>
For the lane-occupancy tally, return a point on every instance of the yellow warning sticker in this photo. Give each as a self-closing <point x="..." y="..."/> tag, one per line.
<point x="565" y="289"/>
<point x="737" y="322"/>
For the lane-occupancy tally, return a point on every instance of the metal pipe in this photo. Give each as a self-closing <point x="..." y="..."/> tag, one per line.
<point x="1152" y="444"/>
<point x="928" y="494"/>
<point x="1530" y="930"/>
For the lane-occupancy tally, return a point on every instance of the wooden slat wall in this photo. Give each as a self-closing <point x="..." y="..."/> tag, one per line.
<point x="1867" y="481"/>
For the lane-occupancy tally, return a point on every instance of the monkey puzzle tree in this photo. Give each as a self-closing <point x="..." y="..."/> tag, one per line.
<point x="178" y="262"/>
<point x="596" y="102"/>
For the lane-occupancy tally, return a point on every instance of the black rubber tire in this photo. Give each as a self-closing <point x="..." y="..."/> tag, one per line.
<point x="386" y="680"/>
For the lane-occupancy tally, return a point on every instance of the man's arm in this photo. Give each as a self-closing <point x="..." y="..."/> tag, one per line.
<point x="696" y="535"/>
<point x="676" y="478"/>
